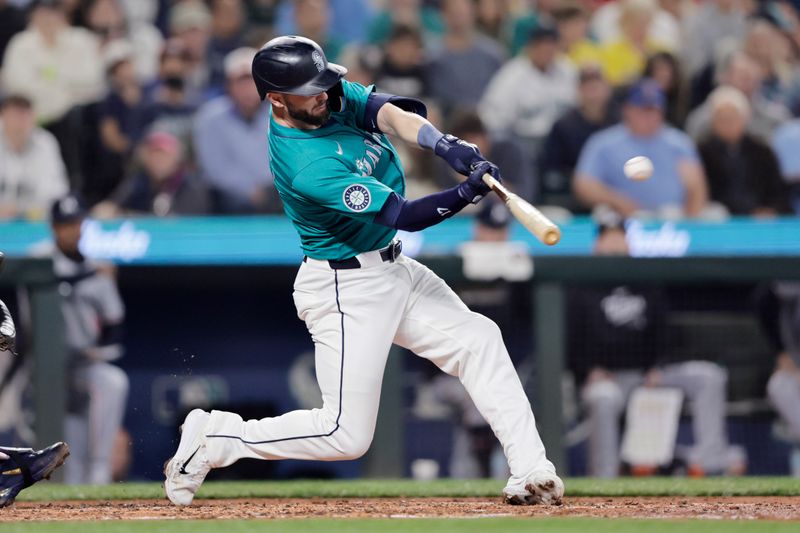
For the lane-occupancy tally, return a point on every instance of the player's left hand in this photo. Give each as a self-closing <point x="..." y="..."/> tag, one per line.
<point x="458" y="153"/>
<point x="474" y="188"/>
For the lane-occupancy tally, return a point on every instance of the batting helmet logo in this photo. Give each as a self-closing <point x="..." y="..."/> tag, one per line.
<point x="356" y="198"/>
<point x="316" y="57"/>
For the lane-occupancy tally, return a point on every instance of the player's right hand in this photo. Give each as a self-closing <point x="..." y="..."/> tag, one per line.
<point x="458" y="153"/>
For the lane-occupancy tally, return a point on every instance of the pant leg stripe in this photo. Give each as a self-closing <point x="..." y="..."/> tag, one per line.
<point x="341" y="384"/>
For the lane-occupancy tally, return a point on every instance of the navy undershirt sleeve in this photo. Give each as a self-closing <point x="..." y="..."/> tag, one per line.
<point x="416" y="215"/>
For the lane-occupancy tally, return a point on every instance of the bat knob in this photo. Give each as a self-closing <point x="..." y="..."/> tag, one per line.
<point x="552" y="237"/>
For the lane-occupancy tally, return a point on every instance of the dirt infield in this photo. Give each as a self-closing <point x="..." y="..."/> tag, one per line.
<point x="747" y="508"/>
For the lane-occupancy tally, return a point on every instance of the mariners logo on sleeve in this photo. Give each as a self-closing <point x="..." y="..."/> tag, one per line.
<point x="356" y="198"/>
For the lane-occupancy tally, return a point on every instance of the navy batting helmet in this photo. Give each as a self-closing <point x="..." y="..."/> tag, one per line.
<point x="294" y="65"/>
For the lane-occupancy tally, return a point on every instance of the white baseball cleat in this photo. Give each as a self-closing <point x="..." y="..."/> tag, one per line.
<point x="187" y="469"/>
<point x="541" y="487"/>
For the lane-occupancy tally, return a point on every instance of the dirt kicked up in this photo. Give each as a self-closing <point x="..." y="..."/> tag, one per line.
<point x="715" y="508"/>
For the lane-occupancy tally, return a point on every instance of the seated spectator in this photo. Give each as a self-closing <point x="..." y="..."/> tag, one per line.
<point x="663" y="27"/>
<point x="121" y="125"/>
<point x="624" y="57"/>
<point x="56" y="65"/>
<point x="785" y="143"/>
<point x="709" y="24"/>
<point x="160" y="184"/>
<point x="402" y="69"/>
<point x="663" y="67"/>
<point x="461" y="70"/>
<point x="32" y="173"/>
<point x="59" y="68"/>
<point x="12" y="21"/>
<point x="312" y="18"/>
<point x="569" y="133"/>
<point x="229" y="140"/>
<point x="190" y="23"/>
<point x="406" y="13"/>
<point x="775" y="53"/>
<point x="738" y="70"/>
<point x="227" y="34"/>
<point x="618" y="341"/>
<point x="572" y="23"/>
<point x="107" y="20"/>
<point x="170" y="101"/>
<point x="349" y="19"/>
<point x="677" y="184"/>
<point x="492" y="19"/>
<point x="505" y="153"/>
<point x="530" y="92"/>
<point x="743" y="173"/>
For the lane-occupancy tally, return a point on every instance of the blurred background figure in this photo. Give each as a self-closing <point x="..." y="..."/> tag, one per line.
<point x="414" y="13"/>
<point x="618" y="341"/>
<point x="572" y="23"/>
<point x="93" y="316"/>
<point x="461" y="70"/>
<point x="677" y="186"/>
<point x="229" y="140"/>
<point x="160" y="183"/>
<point x="742" y="170"/>
<point x="663" y="67"/>
<point x="710" y="25"/>
<point x="58" y="67"/>
<point x="312" y="20"/>
<point x="403" y="64"/>
<point x="785" y="143"/>
<point x="779" y="308"/>
<point x="32" y="173"/>
<point x="530" y="92"/>
<point x="12" y="21"/>
<point x="624" y="54"/>
<point x="569" y="133"/>
<point x="738" y="70"/>
<point x="190" y="23"/>
<point x="227" y="34"/>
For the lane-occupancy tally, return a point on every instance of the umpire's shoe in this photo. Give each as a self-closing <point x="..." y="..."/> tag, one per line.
<point x="26" y="466"/>
<point x="541" y="487"/>
<point x="187" y="469"/>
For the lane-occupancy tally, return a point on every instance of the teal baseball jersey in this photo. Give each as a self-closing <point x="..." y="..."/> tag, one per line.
<point x="334" y="180"/>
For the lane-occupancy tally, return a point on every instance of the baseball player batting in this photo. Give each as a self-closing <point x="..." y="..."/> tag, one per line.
<point x="342" y="185"/>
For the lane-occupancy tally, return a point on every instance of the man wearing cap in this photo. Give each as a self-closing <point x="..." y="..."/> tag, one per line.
<point x="32" y="173"/>
<point x="343" y="186"/>
<point x="569" y="133"/>
<point x="229" y="142"/>
<point x="93" y="317"/>
<point x="678" y="184"/>
<point x="531" y="90"/>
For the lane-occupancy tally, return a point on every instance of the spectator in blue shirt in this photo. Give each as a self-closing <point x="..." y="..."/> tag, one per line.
<point x="678" y="183"/>
<point x="785" y="143"/>
<point x="229" y="142"/>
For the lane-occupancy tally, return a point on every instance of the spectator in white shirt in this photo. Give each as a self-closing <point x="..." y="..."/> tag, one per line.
<point x="530" y="92"/>
<point x="57" y="65"/>
<point x="32" y="173"/>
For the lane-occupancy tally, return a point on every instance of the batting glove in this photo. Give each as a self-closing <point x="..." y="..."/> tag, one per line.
<point x="7" y="331"/>
<point x="474" y="188"/>
<point x="458" y="153"/>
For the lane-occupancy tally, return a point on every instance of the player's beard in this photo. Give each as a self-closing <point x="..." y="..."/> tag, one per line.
<point x="304" y="116"/>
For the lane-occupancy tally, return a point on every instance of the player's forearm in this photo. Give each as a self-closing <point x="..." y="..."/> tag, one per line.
<point x="416" y="215"/>
<point x="402" y="124"/>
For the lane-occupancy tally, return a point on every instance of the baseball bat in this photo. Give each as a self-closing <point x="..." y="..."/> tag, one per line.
<point x="534" y="221"/>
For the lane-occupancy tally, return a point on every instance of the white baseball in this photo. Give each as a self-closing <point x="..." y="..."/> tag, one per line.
<point x="638" y="168"/>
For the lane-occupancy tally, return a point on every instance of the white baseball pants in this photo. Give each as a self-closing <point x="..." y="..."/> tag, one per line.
<point x="354" y="316"/>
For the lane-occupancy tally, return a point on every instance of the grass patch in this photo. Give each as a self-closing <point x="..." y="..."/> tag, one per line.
<point x="744" y="486"/>
<point x="480" y="525"/>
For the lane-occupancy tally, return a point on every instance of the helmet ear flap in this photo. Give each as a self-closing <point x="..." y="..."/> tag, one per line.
<point x="336" y="97"/>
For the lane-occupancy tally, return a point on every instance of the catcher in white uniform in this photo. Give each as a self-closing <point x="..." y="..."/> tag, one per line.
<point x="342" y="186"/>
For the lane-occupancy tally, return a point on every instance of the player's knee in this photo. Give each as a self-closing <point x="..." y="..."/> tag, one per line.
<point x="353" y="446"/>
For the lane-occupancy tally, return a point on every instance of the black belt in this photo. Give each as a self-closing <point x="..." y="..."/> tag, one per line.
<point x="388" y="255"/>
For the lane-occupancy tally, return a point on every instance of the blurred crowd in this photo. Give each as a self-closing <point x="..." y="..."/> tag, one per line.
<point x="147" y="106"/>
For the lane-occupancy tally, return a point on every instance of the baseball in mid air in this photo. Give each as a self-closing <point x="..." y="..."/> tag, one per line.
<point x="638" y="168"/>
